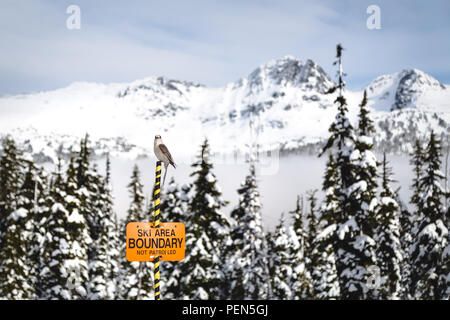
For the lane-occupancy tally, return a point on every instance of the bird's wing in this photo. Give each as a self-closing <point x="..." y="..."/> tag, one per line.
<point x="166" y="152"/>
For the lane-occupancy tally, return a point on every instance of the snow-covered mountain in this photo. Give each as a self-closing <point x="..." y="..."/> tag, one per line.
<point x="287" y="95"/>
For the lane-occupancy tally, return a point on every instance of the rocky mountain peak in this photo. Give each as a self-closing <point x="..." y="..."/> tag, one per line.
<point x="289" y="71"/>
<point x="402" y="89"/>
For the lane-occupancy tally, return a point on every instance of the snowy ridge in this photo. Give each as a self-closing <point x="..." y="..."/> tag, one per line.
<point x="405" y="89"/>
<point x="288" y="95"/>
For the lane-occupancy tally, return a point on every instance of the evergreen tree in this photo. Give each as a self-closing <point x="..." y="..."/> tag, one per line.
<point x="326" y="285"/>
<point x="389" y="250"/>
<point x="103" y="253"/>
<point x="363" y="197"/>
<point x="365" y="166"/>
<point x="297" y="219"/>
<point x="406" y="239"/>
<point x="301" y="281"/>
<point x="354" y="248"/>
<point x="108" y="170"/>
<point x="79" y="234"/>
<point x="10" y="175"/>
<point x="417" y="161"/>
<point x="207" y="234"/>
<point x="82" y="163"/>
<point x="31" y="200"/>
<point x="247" y="266"/>
<point x="312" y="222"/>
<point x="329" y="207"/>
<point x="92" y="196"/>
<point x="14" y="269"/>
<point x="316" y="257"/>
<point x="324" y="273"/>
<point x="410" y="222"/>
<point x="280" y="263"/>
<point x="175" y="208"/>
<point x="110" y="235"/>
<point x="113" y="283"/>
<point x="88" y="183"/>
<point x="431" y="239"/>
<point x="311" y="254"/>
<point x="176" y="200"/>
<point x="58" y="277"/>
<point x="136" y="277"/>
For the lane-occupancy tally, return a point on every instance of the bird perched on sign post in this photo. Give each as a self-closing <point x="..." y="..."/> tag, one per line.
<point x="163" y="154"/>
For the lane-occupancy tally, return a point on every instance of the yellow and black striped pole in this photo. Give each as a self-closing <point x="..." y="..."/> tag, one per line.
<point x="157" y="200"/>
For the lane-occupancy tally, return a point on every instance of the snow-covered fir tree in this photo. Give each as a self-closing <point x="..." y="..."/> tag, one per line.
<point x="31" y="201"/>
<point x="104" y="252"/>
<point x="110" y="234"/>
<point x="280" y="262"/>
<point x="328" y="287"/>
<point x="365" y="166"/>
<point x="113" y="283"/>
<point x="10" y="173"/>
<point x="387" y="237"/>
<point x="406" y="219"/>
<point x="297" y="216"/>
<point x="57" y="277"/>
<point x="14" y="267"/>
<point x="417" y="161"/>
<point x="311" y="254"/>
<point x="363" y="196"/>
<point x="354" y="249"/>
<point x="431" y="238"/>
<point x="311" y="221"/>
<point x="202" y="268"/>
<point x="91" y="208"/>
<point x="176" y="200"/>
<point x="320" y="261"/>
<point x="136" y="278"/>
<point x="300" y="284"/>
<point x="410" y="222"/>
<point x="325" y="240"/>
<point x="247" y="266"/>
<point x="175" y="208"/>
<point x="80" y="238"/>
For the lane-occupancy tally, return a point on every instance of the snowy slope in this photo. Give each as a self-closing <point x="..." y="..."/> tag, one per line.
<point x="288" y="96"/>
<point x="410" y="88"/>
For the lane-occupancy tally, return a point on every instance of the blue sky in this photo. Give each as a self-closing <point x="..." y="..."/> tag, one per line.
<point x="214" y="42"/>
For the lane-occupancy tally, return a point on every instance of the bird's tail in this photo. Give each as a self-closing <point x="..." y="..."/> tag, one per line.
<point x="165" y="173"/>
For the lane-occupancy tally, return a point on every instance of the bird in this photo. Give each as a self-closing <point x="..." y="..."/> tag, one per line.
<point x="163" y="154"/>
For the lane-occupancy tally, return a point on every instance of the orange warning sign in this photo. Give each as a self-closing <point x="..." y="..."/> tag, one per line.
<point x="145" y="241"/>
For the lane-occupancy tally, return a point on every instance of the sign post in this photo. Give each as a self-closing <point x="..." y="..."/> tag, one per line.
<point x="156" y="241"/>
<point x="157" y="197"/>
<point x="146" y="242"/>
